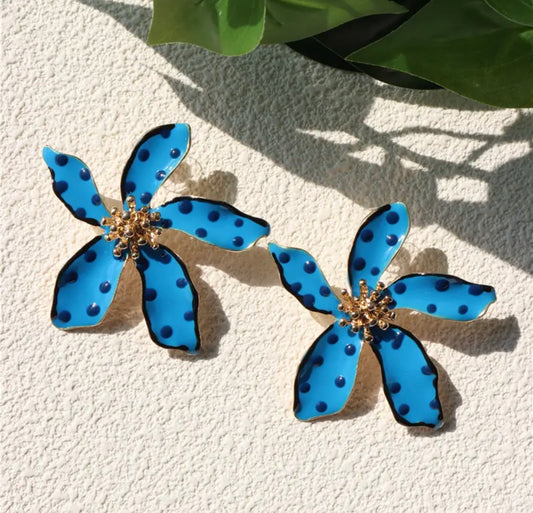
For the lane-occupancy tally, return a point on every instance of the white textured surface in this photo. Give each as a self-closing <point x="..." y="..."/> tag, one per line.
<point x="102" y="420"/>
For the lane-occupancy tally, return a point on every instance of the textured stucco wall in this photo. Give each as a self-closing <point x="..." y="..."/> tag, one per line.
<point x="102" y="420"/>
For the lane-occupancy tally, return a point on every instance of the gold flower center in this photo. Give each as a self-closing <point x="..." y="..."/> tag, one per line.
<point x="132" y="228"/>
<point x="367" y="310"/>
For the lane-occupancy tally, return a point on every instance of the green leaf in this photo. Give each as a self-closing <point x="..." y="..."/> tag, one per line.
<point x="462" y="45"/>
<point x="231" y="27"/>
<point x="520" y="11"/>
<point x="291" y="20"/>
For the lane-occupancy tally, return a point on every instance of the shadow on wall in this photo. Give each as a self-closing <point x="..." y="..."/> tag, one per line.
<point x="281" y="106"/>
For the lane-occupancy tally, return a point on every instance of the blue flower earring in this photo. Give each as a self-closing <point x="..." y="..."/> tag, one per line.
<point x="87" y="283"/>
<point x="327" y="372"/>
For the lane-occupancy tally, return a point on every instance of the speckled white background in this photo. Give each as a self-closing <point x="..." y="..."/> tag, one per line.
<point x="102" y="420"/>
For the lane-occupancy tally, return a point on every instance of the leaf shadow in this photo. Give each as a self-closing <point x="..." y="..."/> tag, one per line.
<point x="285" y="120"/>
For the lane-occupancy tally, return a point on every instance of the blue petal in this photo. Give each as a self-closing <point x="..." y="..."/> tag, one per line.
<point x="376" y="243"/>
<point x="441" y="295"/>
<point x="409" y="378"/>
<point x="327" y="373"/>
<point x="86" y="285"/>
<point x="153" y="160"/>
<point x="74" y="186"/>
<point x="170" y="301"/>
<point x="302" y="277"/>
<point x="214" y="222"/>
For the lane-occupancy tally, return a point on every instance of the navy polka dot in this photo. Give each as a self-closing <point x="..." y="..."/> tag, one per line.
<point x="64" y="316"/>
<point x="318" y="361"/>
<point x="392" y="218"/>
<point x="333" y="339"/>
<point x="142" y="263"/>
<point x="165" y="133"/>
<point x="96" y="200"/>
<point x="181" y="283"/>
<point x="308" y="300"/>
<point x="166" y="331"/>
<point x="434" y="404"/>
<point x="426" y="370"/>
<point x="397" y="342"/>
<point x="367" y="235"/>
<point x="150" y="294"/>
<point x="213" y="216"/>
<point x="185" y="206"/>
<point x="143" y="155"/>
<point x="309" y="267"/>
<point x="391" y="240"/>
<point x="475" y="290"/>
<point x="400" y="288"/>
<point x="61" y="160"/>
<point x="90" y="256"/>
<point x="105" y="286"/>
<point x="238" y="241"/>
<point x="304" y="388"/>
<point x="146" y="197"/>
<point x="359" y="264"/>
<point x="349" y="349"/>
<point x="374" y="271"/>
<point x="321" y="406"/>
<point x="284" y="258"/>
<point x="201" y="232"/>
<point x="165" y="258"/>
<point x="394" y="388"/>
<point x="239" y="223"/>
<point x="60" y="187"/>
<point x="81" y="213"/>
<point x="93" y="309"/>
<point x="188" y="316"/>
<point x="129" y="187"/>
<point x="431" y="308"/>
<point x="463" y="309"/>
<point x="296" y="287"/>
<point x="392" y="305"/>
<point x="403" y="409"/>
<point x="85" y="174"/>
<point x="71" y="277"/>
<point x="441" y="284"/>
<point x="351" y="333"/>
<point x="175" y="153"/>
<point x="160" y="175"/>
<point x="325" y="291"/>
<point x="166" y="223"/>
<point x="340" y="381"/>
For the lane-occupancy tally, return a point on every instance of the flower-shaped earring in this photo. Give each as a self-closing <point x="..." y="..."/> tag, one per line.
<point x="87" y="283"/>
<point x="327" y="372"/>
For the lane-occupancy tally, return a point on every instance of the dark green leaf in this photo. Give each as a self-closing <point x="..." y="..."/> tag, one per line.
<point x="520" y="11"/>
<point x="465" y="46"/>
<point x="290" y="20"/>
<point x="231" y="27"/>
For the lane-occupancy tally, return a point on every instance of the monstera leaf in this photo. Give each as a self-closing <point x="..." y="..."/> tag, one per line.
<point x="464" y="46"/>
<point x="235" y="27"/>
<point x="520" y="11"/>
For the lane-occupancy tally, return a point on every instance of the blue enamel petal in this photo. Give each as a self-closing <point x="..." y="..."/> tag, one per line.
<point x="409" y="378"/>
<point x="170" y="301"/>
<point x="86" y="285"/>
<point x="214" y="222"/>
<point x="441" y="295"/>
<point x="302" y="277"/>
<point x="74" y="186"/>
<point x="153" y="160"/>
<point x="376" y="243"/>
<point x="327" y="373"/>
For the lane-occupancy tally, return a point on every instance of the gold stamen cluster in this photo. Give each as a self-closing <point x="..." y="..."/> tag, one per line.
<point x="132" y="228"/>
<point x="367" y="310"/>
